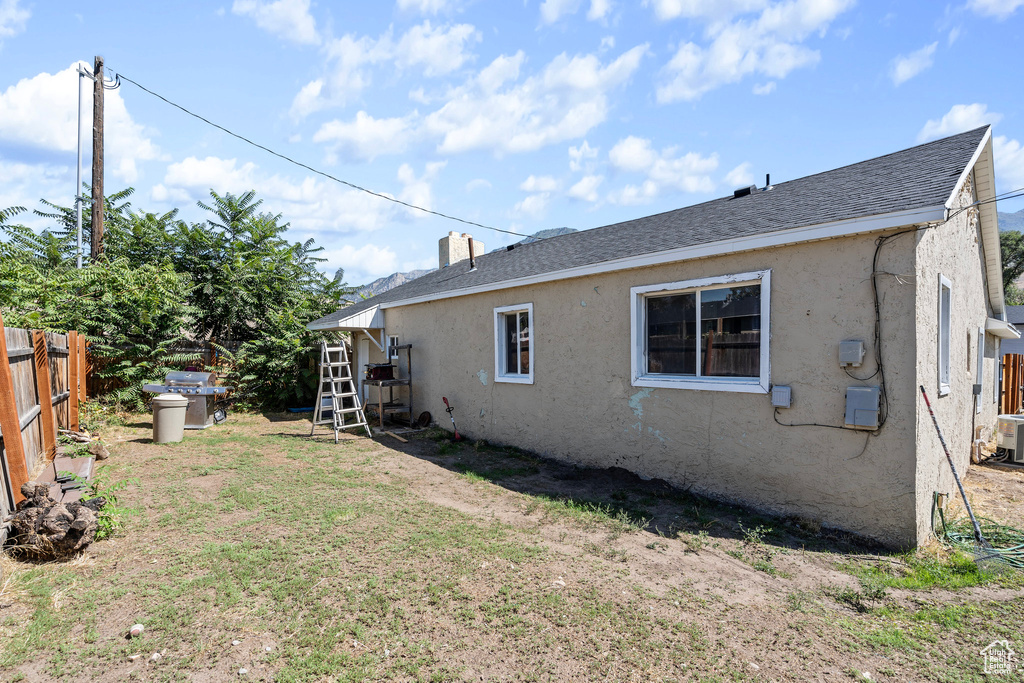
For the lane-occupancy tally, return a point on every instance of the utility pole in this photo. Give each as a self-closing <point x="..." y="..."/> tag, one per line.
<point x="97" y="158"/>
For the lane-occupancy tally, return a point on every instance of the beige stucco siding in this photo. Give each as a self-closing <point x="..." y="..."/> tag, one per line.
<point x="954" y="250"/>
<point x="582" y="408"/>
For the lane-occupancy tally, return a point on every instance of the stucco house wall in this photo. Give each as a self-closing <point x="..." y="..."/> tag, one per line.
<point x="954" y="250"/>
<point x="582" y="408"/>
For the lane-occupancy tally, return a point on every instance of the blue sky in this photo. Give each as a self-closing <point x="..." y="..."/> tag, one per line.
<point x="517" y="115"/>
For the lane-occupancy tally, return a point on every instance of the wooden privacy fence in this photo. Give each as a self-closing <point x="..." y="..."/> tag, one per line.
<point x="42" y="382"/>
<point x="1012" y="383"/>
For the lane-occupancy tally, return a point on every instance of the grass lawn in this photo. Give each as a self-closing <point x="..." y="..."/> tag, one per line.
<point x="251" y="546"/>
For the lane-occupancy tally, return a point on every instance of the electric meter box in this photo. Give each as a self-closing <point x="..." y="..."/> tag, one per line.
<point x="851" y="352"/>
<point x="862" y="407"/>
<point x="1010" y="438"/>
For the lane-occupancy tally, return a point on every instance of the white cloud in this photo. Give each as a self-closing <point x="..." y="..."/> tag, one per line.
<point x="417" y="190"/>
<point x="599" y="9"/>
<point x="288" y="19"/>
<point x="426" y="6"/>
<point x="960" y="118"/>
<point x="565" y="101"/>
<point x="905" y="67"/>
<point x="533" y="206"/>
<point x="765" y="88"/>
<point x="1008" y="153"/>
<point x="362" y="264"/>
<point x="544" y="183"/>
<point x="954" y="33"/>
<point x="769" y="45"/>
<point x="740" y="176"/>
<point x="478" y="184"/>
<point x="438" y="50"/>
<point x="309" y="204"/>
<point x="632" y="154"/>
<point x="42" y="112"/>
<point x="701" y="9"/>
<point x="579" y="155"/>
<point x="665" y="170"/>
<point x="25" y="184"/>
<point x="586" y="188"/>
<point x="1000" y="9"/>
<point x="13" y="18"/>
<point x="350" y="61"/>
<point x="552" y="10"/>
<point x="365" y="137"/>
<point x="1009" y="158"/>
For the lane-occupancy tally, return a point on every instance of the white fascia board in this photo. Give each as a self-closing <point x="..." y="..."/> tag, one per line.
<point x="372" y="318"/>
<point x="1001" y="329"/>
<point x="985" y="140"/>
<point x="822" y="231"/>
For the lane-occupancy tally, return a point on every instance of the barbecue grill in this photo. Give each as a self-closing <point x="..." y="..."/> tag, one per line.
<point x="199" y="389"/>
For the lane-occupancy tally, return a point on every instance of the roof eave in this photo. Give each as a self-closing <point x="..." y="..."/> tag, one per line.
<point x="370" y="318"/>
<point x="811" y="233"/>
<point x="985" y="189"/>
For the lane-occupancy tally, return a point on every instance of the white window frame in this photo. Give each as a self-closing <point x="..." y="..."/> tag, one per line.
<point x="638" y="336"/>
<point x="945" y="329"/>
<point x="392" y="343"/>
<point x="499" y="344"/>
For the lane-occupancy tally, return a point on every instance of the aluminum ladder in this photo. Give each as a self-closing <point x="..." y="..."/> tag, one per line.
<point x="336" y="385"/>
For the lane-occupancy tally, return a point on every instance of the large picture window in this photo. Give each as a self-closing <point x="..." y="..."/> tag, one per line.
<point x="702" y="334"/>
<point x="513" y="344"/>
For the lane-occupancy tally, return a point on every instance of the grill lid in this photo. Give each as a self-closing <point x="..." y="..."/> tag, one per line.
<point x="190" y="379"/>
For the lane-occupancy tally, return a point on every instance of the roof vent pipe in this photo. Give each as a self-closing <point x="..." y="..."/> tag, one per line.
<point x="767" y="181"/>
<point x="472" y="261"/>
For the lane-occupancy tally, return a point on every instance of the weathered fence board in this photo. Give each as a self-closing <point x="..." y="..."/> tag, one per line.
<point x="1012" y="383"/>
<point x="39" y="394"/>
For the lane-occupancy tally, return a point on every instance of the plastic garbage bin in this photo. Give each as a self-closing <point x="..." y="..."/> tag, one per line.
<point x="169" y="418"/>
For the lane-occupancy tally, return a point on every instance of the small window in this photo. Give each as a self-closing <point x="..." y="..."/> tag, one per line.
<point x="945" y="312"/>
<point x="702" y="334"/>
<point x="392" y="343"/>
<point x="513" y="344"/>
<point x="979" y="379"/>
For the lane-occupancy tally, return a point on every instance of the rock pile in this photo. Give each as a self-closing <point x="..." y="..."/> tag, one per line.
<point x="44" y="529"/>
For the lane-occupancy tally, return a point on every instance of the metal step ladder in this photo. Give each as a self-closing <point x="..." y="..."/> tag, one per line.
<point x="336" y="385"/>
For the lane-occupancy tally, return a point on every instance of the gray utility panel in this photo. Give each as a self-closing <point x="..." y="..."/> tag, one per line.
<point x="862" y="407"/>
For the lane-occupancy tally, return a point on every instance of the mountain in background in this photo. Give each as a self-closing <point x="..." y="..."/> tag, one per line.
<point x="381" y="285"/>
<point x="1012" y="221"/>
<point x="544" y="234"/>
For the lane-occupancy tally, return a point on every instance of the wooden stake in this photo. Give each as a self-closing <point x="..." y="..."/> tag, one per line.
<point x="73" y="381"/>
<point x="396" y="436"/>
<point x="45" y="394"/>
<point x="97" y="158"/>
<point x="10" y="424"/>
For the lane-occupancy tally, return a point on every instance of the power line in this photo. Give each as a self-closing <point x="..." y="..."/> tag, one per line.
<point x="122" y="77"/>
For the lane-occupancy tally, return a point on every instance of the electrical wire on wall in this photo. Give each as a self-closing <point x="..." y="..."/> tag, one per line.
<point x="879" y="372"/>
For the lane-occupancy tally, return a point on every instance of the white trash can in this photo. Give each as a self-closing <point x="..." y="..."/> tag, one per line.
<point x="169" y="418"/>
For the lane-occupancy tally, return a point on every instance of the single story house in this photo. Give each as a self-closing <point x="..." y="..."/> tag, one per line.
<point x="764" y="348"/>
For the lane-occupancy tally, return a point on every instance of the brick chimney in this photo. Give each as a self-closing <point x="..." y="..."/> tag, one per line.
<point x="454" y="247"/>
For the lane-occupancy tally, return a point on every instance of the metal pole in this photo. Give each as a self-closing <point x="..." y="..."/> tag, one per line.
<point x="78" y="178"/>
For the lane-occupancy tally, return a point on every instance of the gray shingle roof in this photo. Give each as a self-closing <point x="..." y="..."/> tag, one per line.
<point x="919" y="177"/>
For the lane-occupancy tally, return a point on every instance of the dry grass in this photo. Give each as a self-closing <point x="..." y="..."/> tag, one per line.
<point x="410" y="562"/>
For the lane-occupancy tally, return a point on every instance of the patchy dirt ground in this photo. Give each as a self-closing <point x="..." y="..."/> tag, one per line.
<point x="381" y="560"/>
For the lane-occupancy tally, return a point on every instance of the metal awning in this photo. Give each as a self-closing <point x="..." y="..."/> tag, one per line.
<point x="1001" y="329"/>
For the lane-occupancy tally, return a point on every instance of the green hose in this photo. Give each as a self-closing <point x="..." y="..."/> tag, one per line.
<point x="1007" y="541"/>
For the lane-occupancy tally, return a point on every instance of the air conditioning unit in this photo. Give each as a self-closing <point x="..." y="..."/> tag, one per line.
<point x="1010" y="439"/>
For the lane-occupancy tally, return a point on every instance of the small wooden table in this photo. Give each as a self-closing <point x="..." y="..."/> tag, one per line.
<point x="392" y="407"/>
